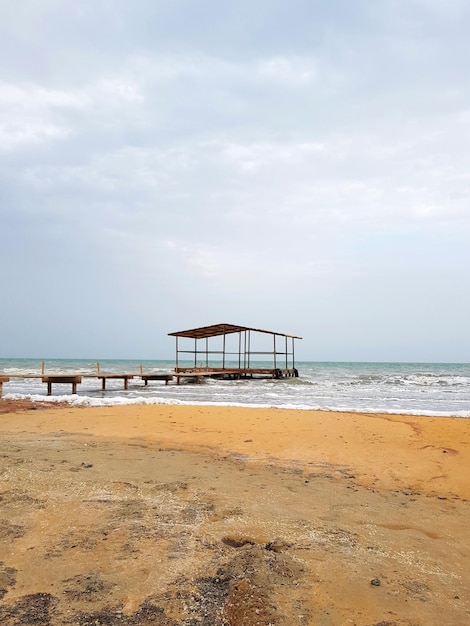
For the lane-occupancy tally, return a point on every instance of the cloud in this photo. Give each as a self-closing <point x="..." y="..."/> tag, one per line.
<point x="291" y="71"/>
<point x="232" y="152"/>
<point x="17" y="134"/>
<point x="31" y="113"/>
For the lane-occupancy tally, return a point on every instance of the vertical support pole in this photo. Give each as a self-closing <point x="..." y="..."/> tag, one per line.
<point x="249" y="347"/>
<point x="103" y="383"/>
<point x="1" y="388"/>
<point x="244" y="349"/>
<point x="239" y="349"/>
<point x="141" y="371"/>
<point x="98" y="370"/>
<point x="223" y="352"/>
<point x="74" y="388"/>
<point x="293" y="362"/>
<point x="126" y="383"/>
<point x="42" y="368"/>
<point x="195" y="351"/>
<point x="207" y="352"/>
<point x="49" y="388"/>
<point x="274" y="353"/>
<point x="176" y="356"/>
<point x="287" y="364"/>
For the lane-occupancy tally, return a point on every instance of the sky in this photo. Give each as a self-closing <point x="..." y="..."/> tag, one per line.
<point x="301" y="166"/>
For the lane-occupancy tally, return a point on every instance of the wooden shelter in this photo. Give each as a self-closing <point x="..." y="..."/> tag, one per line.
<point x="233" y="351"/>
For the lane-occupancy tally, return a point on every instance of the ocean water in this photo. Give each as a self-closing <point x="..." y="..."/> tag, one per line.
<point x="409" y="388"/>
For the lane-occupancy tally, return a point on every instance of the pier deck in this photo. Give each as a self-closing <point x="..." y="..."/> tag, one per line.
<point x="233" y="373"/>
<point x="74" y="380"/>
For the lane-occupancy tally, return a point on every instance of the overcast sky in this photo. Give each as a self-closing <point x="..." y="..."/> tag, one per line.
<point x="296" y="165"/>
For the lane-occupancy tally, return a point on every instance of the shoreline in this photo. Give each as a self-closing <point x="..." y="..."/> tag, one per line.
<point x="172" y="515"/>
<point x="88" y="402"/>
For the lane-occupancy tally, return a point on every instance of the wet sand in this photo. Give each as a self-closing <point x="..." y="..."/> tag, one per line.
<point x="172" y="515"/>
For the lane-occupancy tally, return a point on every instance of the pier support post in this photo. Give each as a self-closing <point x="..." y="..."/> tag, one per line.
<point x="3" y="379"/>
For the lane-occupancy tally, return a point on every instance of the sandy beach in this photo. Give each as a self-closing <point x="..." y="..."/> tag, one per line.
<point x="193" y="515"/>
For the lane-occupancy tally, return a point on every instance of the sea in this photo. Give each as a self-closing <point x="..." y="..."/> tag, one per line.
<point x="439" y="389"/>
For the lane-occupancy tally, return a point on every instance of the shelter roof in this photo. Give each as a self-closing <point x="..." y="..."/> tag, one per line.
<point x="222" y="329"/>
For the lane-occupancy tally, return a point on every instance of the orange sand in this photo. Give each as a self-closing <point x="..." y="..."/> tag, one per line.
<point x="223" y="516"/>
<point x="430" y="454"/>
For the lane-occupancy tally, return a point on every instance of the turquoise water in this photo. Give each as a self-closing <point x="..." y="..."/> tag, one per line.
<point x="410" y="388"/>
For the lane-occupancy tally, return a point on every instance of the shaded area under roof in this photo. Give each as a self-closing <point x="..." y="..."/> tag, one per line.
<point x="216" y="330"/>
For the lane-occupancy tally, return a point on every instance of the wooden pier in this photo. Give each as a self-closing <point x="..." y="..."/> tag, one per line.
<point x="76" y="379"/>
<point x="193" y="374"/>
<point x="233" y="358"/>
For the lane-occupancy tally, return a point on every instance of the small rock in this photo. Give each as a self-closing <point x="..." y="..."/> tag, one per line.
<point x="375" y="582"/>
<point x="278" y="545"/>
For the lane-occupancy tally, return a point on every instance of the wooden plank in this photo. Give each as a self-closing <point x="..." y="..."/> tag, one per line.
<point x="62" y="378"/>
<point x="165" y="377"/>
